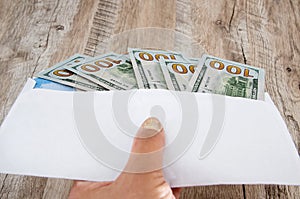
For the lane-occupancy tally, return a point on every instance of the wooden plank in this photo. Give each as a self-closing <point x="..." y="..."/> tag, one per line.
<point x="113" y="19"/>
<point x="103" y="25"/>
<point x="184" y="16"/>
<point x="22" y="187"/>
<point x="17" y="63"/>
<point x="57" y="188"/>
<point x="210" y="23"/>
<point x="218" y="191"/>
<point x="252" y="33"/>
<point x="138" y="14"/>
<point x="273" y="43"/>
<point x="32" y="36"/>
<point x="69" y="33"/>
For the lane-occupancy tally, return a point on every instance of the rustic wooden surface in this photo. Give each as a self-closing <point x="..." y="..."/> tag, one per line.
<point x="36" y="34"/>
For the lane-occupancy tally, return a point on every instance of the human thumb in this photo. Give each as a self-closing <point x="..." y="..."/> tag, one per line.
<point x="143" y="176"/>
<point x="147" y="149"/>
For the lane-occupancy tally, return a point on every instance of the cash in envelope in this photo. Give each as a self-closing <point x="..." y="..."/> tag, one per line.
<point x="158" y="69"/>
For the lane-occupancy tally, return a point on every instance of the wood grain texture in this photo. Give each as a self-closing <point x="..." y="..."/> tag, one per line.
<point x="263" y="33"/>
<point x="103" y="24"/>
<point x="272" y="44"/>
<point x="256" y="33"/>
<point x="32" y="34"/>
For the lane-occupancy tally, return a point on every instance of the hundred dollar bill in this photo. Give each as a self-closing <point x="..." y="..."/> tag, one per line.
<point x="111" y="71"/>
<point x="194" y="59"/>
<point x="147" y="68"/>
<point x="178" y="74"/>
<point x="59" y="74"/>
<point x="230" y="78"/>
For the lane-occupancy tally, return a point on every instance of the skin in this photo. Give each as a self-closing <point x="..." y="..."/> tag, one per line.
<point x="150" y="138"/>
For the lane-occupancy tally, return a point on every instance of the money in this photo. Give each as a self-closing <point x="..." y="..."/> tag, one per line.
<point x="157" y="69"/>
<point x="229" y="78"/>
<point x="59" y="74"/>
<point x="147" y="68"/>
<point x="111" y="71"/>
<point x="178" y="74"/>
<point x="194" y="59"/>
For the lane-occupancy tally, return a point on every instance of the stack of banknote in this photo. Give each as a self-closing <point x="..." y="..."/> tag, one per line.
<point x="157" y="69"/>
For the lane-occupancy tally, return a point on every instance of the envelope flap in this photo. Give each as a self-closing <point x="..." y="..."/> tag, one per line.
<point x="47" y="140"/>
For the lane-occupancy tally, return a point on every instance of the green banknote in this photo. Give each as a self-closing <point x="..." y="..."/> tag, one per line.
<point x="111" y="71"/>
<point x="230" y="78"/>
<point x="178" y="74"/>
<point x="59" y="74"/>
<point x="147" y="67"/>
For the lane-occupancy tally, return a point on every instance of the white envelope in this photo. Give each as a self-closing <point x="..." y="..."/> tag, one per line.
<point x="210" y="139"/>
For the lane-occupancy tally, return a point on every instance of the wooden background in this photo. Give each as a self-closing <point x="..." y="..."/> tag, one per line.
<point x="35" y="34"/>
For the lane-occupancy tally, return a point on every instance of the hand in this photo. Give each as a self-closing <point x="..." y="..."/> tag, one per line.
<point x="148" y="184"/>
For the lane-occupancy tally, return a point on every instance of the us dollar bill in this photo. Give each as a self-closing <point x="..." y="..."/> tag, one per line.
<point x="178" y="74"/>
<point x="194" y="59"/>
<point x="147" y="68"/>
<point x="59" y="74"/>
<point x="111" y="71"/>
<point x="229" y="78"/>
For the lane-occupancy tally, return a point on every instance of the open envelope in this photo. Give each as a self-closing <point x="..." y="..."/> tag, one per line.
<point x="210" y="139"/>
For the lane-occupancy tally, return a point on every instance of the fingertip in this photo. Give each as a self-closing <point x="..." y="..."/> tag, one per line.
<point x="150" y="137"/>
<point x="152" y="123"/>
